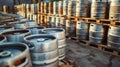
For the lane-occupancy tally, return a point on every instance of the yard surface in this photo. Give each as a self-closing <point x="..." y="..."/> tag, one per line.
<point x="86" y="56"/>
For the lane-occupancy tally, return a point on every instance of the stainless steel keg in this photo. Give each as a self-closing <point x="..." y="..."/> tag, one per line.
<point x="81" y="30"/>
<point x="6" y="28"/>
<point x="60" y="35"/>
<point x="114" y="37"/>
<point x="16" y="35"/>
<point x="96" y="33"/>
<point x="31" y="23"/>
<point x="98" y="9"/>
<point x="14" y="55"/>
<point x="44" y="50"/>
<point x="36" y="30"/>
<point x="20" y="25"/>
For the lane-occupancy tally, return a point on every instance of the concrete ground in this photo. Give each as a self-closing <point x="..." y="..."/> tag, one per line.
<point x="86" y="56"/>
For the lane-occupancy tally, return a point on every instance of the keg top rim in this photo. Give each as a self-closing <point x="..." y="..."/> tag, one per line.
<point x="40" y="37"/>
<point x="8" y="48"/>
<point x="5" y="27"/>
<point x="53" y="30"/>
<point x="13" y="32"/>
<point x="38" y="27"/>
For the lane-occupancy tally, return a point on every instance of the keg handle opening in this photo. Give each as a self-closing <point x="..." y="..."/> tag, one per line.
<point x="31" y="46"/>
<point x="92" y="25"/>
<point x="42" y="39"/>
<point x="4" y="53"/>
<point x="21" y="62"/>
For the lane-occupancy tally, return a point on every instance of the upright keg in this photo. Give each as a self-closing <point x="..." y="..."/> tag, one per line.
<point x="98" y="9"/>
<point x="21" y="19"/>
<point x="71" y="8"/>
<point x="16" y="35"/>
<point x="114" y="37"/>
<point x="53" y="20"/>
<point x="44" y="50"/>
<point x="114" y="10"/>
<point x="2" y="39"/>
<point x="36" y="30"/>
<point x="57" y="22"/>
<point x="14" y="55"/>
<point x="82" y="30"/>
<point x="60" y="7"/>
<point x="33" y="8"/>
<point x="6" y="28"/>
<point x="70" y="27"/>
<point x="31" y="23"/>
<point x="55" y="7"/>
<point x="42" y="7"/>
<point x="45" y="7"/>
<point x="65" y="7"/>
<point x="96" y="33"/>
<point x="62" y="22"/>
<point x="20" y="25"/>
<point x="60" y="35"/>
<point x="50" y="7"/>
<point x="82" y="8"/>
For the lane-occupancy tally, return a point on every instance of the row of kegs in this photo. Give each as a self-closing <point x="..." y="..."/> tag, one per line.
<point x="108" y="9"/>
<point x="99" y="34"/>
<point x="25" y="44"/>
<point x="95" y="33"/>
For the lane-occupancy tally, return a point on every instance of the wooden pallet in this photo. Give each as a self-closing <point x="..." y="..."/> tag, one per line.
<point x="67" y="63"/>
<point x="100" y="21"/>
<point x="101" y="47"/>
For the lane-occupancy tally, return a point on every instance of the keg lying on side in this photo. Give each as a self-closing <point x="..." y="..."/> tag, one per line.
<point x="44" y="50"/>
<point x="6" y="28"/>
<point x="14" y="55"/>
<point x="96" y="33"/>
<point x="114" y="37"/>
<point x="60" y="35"/>
<point x="36" y="30"/>
<point x="81" y="30"/>
<point x="16" y="35"/>
<point x="2" y="39"/>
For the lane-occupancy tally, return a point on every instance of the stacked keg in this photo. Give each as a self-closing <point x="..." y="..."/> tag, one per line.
<point x="96" y="33"/>
<point x="114" y="10"/>
<point x="43" y="49"/>
<point x="14" y="55"/>
<point x="71" y="8"/>
<point x="65" y="7"/>
<point x="55" y="7"/>
<point x="70" y="27"/>
<point x="57" y="23"/>
<point x="60" y="35"/>
<point x="82" y="30"/>
<point x="114" y="37"/>
<point x="98" y="11"/>
<point x="82" y="8"/>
